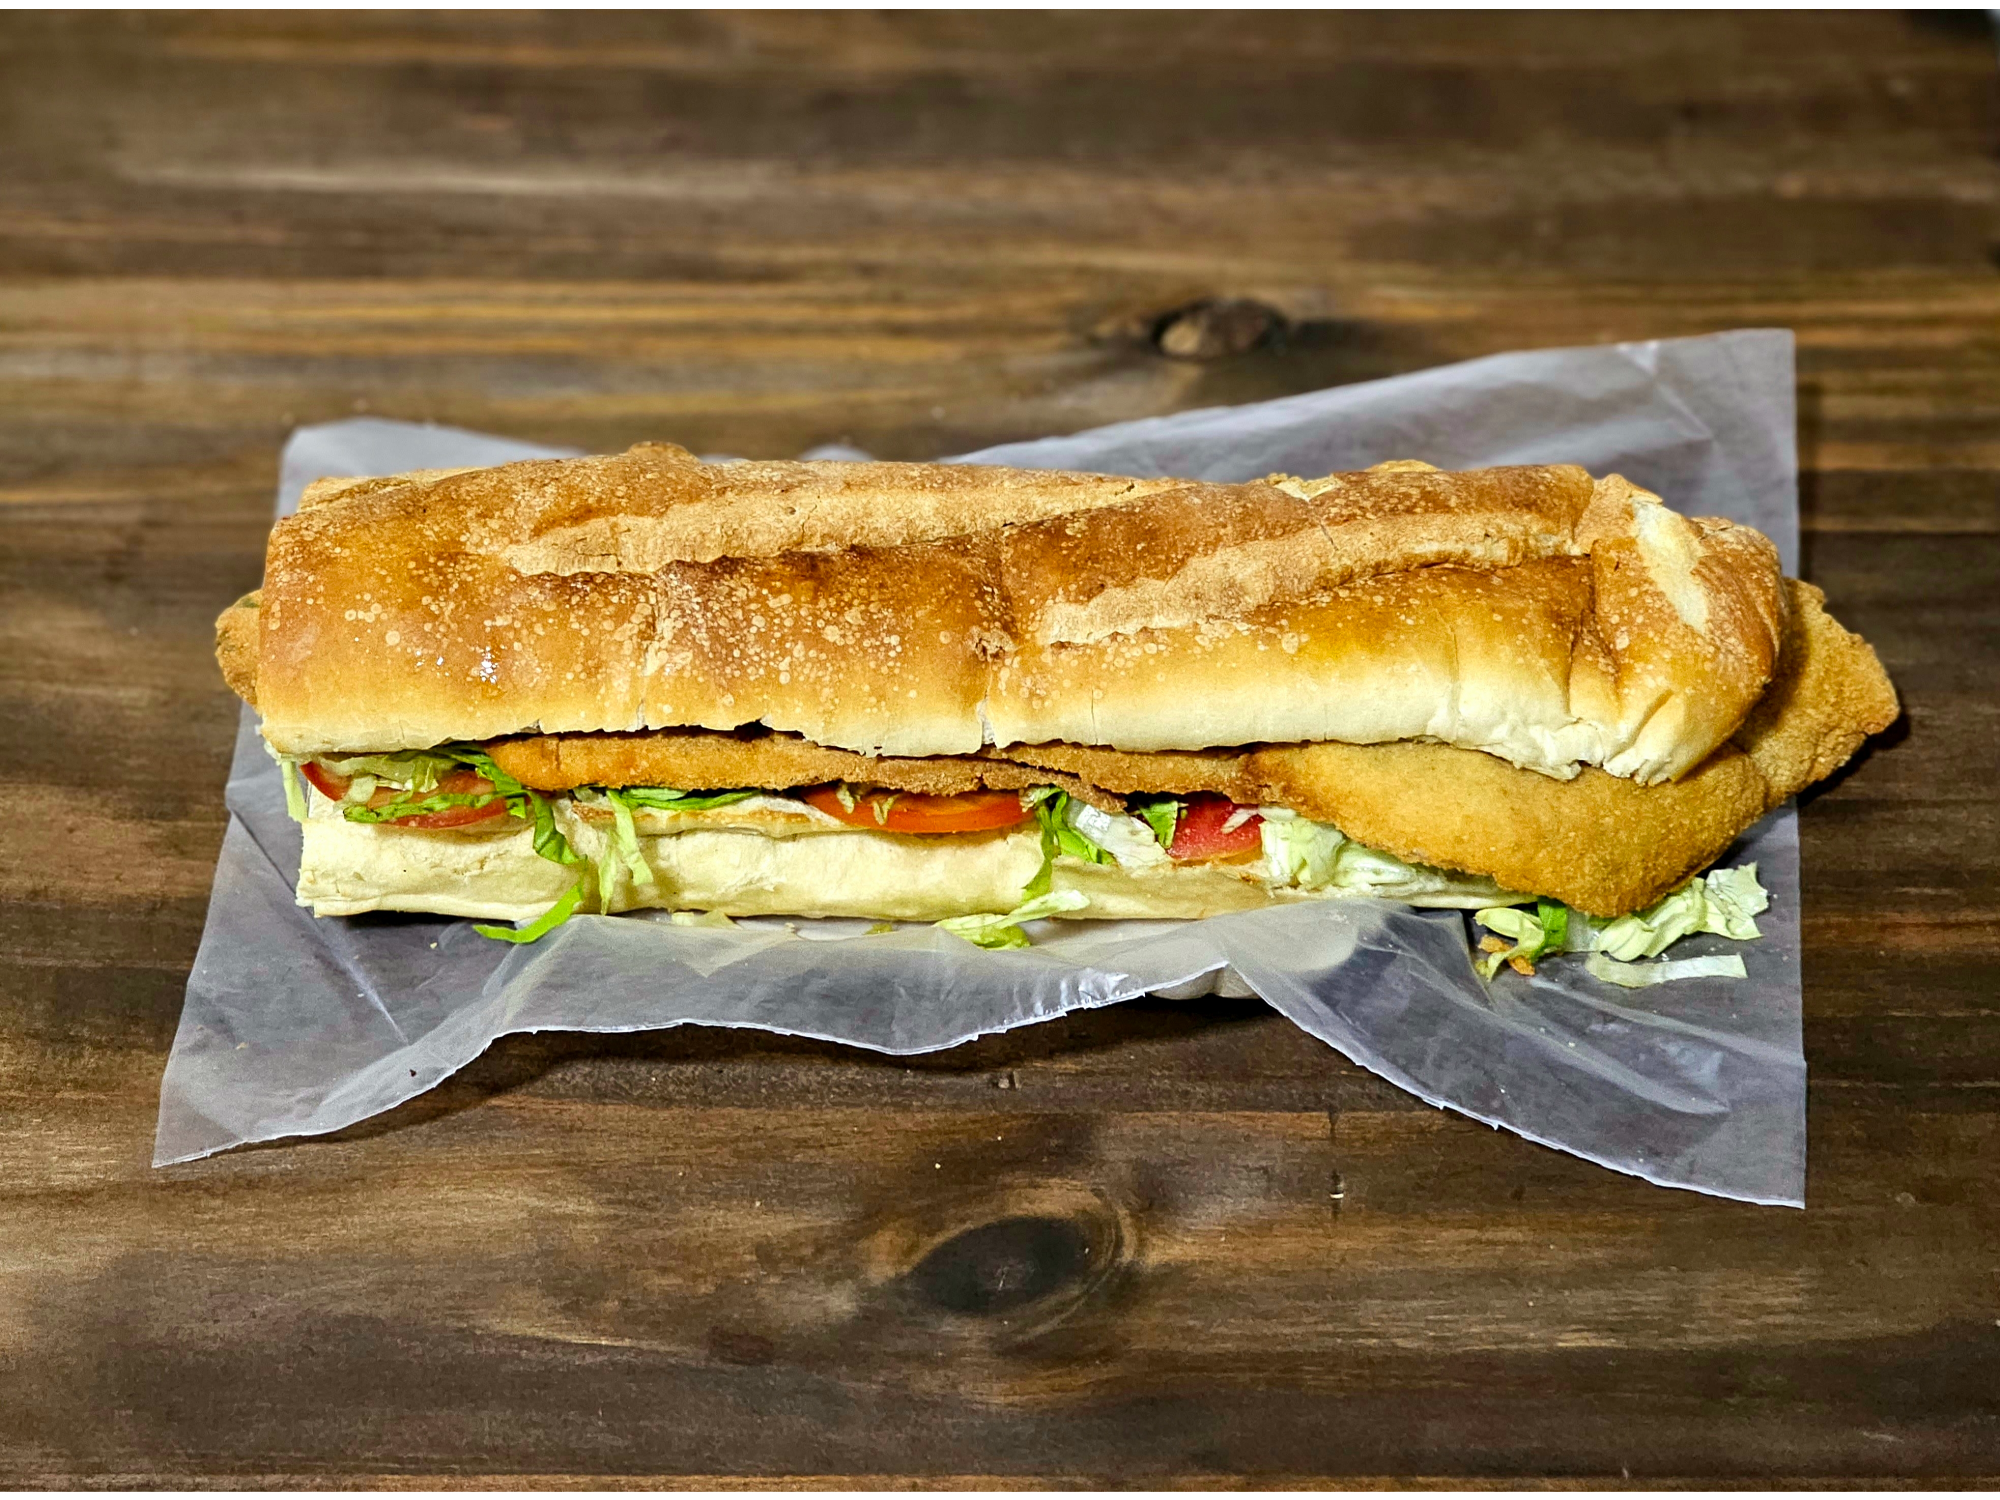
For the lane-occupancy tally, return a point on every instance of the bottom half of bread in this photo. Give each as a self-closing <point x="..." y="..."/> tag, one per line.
<point x="349" y="868"/>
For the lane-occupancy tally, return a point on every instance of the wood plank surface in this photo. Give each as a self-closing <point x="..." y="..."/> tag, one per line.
<point x="1166" y="1244"/>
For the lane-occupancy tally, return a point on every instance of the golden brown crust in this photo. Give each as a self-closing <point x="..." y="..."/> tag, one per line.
<point x="1830" y="694"/>
<point x="922" y="610"/>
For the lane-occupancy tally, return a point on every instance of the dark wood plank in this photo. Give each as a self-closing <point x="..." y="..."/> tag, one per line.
<point x="1164" y="1244"/>
<point x="1173" y="1291"/>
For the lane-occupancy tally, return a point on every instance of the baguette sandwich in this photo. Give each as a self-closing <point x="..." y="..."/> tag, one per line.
<point x="923" y="692"/>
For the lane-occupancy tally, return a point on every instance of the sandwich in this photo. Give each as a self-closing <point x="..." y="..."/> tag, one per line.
<point x="976" y="696"/>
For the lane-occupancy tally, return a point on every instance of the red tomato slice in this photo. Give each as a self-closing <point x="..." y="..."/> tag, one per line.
<point x="330" y="786"/>
<point x="459" y="782"/>
<point x="1199" y="833"/>
<point x="918" y="812"/>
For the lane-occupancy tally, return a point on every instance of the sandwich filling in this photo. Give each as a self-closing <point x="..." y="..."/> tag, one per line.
<point x="452" y="830"/>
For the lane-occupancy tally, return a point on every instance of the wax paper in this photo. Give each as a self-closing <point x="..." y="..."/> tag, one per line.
<point x="296" y="1026"/>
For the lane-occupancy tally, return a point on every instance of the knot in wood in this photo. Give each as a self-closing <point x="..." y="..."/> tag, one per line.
<point x="997" y="1267"/>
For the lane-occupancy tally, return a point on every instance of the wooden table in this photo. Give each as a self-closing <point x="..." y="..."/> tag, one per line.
<point x="1166" y="1244"/>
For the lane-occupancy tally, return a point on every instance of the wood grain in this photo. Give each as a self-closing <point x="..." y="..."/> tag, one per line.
<point x="1164" y="1244"/>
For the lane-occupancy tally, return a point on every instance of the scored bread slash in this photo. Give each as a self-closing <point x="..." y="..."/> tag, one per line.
<point x="917" y="691"/>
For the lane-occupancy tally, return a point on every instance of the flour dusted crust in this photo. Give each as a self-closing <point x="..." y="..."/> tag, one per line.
<point x="922" y="610"/>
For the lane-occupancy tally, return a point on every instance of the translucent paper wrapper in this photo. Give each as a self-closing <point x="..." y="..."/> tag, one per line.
<point x="297" y="1026"/>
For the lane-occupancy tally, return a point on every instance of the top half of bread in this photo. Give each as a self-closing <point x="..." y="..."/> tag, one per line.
<point x="1536" y="613"/>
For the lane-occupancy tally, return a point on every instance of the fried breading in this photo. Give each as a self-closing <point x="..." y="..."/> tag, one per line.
<point x="1599" y="842"/>
<point x="704" y="760"/>
<point x="236" y="646"/>
<point x="1177" y="772"/>
<point x="1829" y="695"/>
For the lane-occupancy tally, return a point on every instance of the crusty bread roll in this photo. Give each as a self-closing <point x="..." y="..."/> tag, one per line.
<point x="922" y="610"/>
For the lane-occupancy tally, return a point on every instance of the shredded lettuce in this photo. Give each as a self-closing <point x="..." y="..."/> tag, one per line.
<point x="417" y="774"/>
<point x="410" y="805"/>
<point x="522" y="803"/>
<point x="1362" y="871"/>
<point x="666" y="799"/>
<point x="623" y="843"/>
<point x="1543" y="930"/>
<point x="1298" y="851"/>
<point x="542" y="926"/>
<point x="699" y="919"/>
<point x="1120" y="835"/>
<point x="1734" y="900"/>
<point x="549" y="842"/>
<point x="627" y="839"/>
<point x="1163" y="817"/>
<point x="295" y="792"/>
<point x="418" y="770"/>
<point x="1318" y="857"/>
<point x="1004" y="930"/>
<point x="1051" y="805"/>
<point x="1070" y="839"/>
<point x="1661" y="971"/>
<point x="1724" y="902"/>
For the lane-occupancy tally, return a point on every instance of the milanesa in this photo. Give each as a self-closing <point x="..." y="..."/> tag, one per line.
<point x="1490" y="683"/>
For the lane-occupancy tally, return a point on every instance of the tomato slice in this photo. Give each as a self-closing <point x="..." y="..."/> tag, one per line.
<point x="919" y="812"/>
<point x="1200" y="833"/>
<point x="330" y="786"/>
<point x="459" y="782"/>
